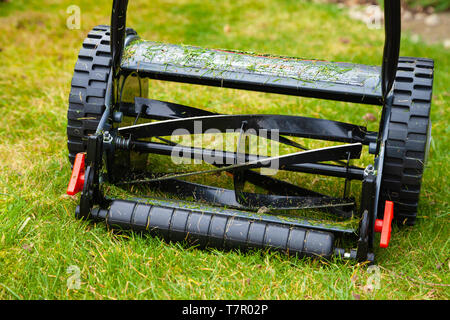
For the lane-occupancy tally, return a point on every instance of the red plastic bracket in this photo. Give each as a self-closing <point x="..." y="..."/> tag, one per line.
<point x="384" y="225"/>
<point x="76" y="182"/>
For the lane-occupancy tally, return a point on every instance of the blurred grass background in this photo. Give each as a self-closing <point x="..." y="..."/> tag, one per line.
<point x="39" y="236"/>
<point x="438" y="5"/>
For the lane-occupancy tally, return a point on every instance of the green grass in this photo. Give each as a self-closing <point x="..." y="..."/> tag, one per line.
<point x="439" y="5"/>
<point x="39" y="236"/>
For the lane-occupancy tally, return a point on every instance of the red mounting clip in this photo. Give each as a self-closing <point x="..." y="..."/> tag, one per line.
<point x="76" y="182"/>
<point x="384" y="226"/>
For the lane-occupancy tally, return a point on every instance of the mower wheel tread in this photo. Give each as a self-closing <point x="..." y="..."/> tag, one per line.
<point x="407" y="138"/>
<point x="88" y="88"/>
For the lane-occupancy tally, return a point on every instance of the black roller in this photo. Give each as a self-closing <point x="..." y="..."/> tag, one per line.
<point x="217" y="229"/>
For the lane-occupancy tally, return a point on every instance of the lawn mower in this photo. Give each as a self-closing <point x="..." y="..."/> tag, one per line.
<point x="113" y="127"/>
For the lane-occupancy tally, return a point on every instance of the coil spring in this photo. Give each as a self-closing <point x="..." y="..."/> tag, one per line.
<point x="122" y="143"/>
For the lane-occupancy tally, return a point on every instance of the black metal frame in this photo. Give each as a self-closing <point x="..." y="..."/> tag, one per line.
<point x="110" y="140"/>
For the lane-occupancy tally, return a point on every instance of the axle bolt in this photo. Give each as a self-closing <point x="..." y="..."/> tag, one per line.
<point x="369" y="170"/>
<point x="117" y="116"/>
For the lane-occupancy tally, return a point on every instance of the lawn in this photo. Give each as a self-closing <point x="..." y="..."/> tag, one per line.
<point x="41" y="241"/>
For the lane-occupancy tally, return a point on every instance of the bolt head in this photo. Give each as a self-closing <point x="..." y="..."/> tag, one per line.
<point x="117" y="116"/>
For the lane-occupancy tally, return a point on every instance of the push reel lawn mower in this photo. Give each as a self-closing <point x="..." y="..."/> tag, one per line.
<point x="113" y="127"/>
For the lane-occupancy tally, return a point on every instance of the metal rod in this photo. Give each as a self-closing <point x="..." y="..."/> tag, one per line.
<point x="118" y="31"/>
<point x="353" y="173"/>
<point x="391" y="46"/>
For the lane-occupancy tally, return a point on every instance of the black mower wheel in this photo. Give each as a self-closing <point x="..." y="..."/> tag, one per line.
<point x="409" y="134"/>
<point x="88" y="88"/>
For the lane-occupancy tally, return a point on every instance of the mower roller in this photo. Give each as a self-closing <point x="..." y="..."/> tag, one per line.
<point x="113" y="126"/>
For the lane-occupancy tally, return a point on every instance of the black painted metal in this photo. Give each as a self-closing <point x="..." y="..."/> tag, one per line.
<point x="228" y="69"/>
<point x="352" y="151"/>
<point x="341" y="81"/>
<point x="353" y="173"/>
<point x="162" y="110"/>
<point x="165" y="110"/>
<point x="391" y="51"/>
<point x="254" y="201"/>
<point x="91" y="194"/>
<point x="367" y="208"/>
<point x="118" y="32"/>
<point x="282" y="125"/>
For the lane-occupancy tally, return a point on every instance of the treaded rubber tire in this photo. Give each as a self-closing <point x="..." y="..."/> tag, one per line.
<point x="408" y="138"/>
<point x="88" y="88"/>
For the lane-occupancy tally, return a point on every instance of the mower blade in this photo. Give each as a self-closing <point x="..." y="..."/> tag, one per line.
<point x="295" y="126"/>
<point x="316" y="155"/>
<point x="162" y="110"/>
<point x="250" y="201"/>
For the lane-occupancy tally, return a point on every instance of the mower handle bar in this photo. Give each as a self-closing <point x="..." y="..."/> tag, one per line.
<point x="392" y="27"/>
